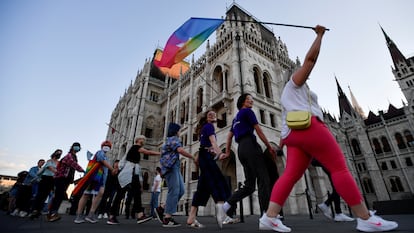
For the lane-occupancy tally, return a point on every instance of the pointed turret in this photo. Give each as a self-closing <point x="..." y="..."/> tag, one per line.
<point x="403" y="69"/>
<point x="396" y="55"/>
<point x="344" y="104"/>
<point x="355" y="104"/>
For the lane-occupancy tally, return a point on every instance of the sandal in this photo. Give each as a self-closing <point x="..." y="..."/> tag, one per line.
<point x="195" y="224"/>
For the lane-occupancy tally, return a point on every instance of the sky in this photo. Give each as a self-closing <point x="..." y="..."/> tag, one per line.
<point x="64" y="64"/>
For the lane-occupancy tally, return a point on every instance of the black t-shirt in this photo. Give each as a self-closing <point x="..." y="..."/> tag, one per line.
<point x="133" y="154"/>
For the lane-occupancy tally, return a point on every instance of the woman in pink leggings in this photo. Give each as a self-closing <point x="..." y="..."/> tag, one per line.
<point x="316" y="142"/>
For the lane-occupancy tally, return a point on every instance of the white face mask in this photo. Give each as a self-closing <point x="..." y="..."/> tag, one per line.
<point x="106" y="148"/>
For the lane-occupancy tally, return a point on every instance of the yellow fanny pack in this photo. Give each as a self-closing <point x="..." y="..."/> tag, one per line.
<point x="298" y="119"/>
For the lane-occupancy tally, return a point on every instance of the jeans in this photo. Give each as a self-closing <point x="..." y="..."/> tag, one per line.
<point x="175" y="185"/>
<point x="154" y="202"/>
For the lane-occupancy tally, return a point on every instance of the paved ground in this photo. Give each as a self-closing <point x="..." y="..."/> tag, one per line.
<point x="298" y="223"/>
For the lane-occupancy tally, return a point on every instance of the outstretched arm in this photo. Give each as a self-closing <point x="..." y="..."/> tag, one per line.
<point x="148" y="152"/>
<point x="302" y="74"/>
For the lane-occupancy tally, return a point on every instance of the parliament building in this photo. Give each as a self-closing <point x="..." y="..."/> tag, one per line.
<point x="248" y="57"/>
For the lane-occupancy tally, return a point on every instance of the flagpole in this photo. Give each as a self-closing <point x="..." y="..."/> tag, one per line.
<point x="167" y="110"/>
<point x="112" y="128"/>
<point x="277" y="24"/>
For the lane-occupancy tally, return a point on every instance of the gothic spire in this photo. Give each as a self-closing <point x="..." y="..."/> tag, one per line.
<point x="344" y="104"/>
<point x="396" y="55"/>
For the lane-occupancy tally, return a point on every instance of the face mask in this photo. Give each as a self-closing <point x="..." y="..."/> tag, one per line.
<point x="106" y="148"/>
<point x="76" y="148"/>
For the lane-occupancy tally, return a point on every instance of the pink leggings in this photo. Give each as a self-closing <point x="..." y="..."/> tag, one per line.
<point x="315" y="142"/>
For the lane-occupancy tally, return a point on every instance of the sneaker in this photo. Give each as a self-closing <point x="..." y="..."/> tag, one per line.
<point x="100" y="216"/>
<point x="342" y="218"/>
<point x="159" y="212"/>
<point x="79" y="219"/>
<point x="91" y="219"/>
<point x="23" y="214"/>
<point x="195" y="224"/>
<point x="229" y="220"/>
<point x="34" y="214"/>
<point x="267" y="223"/>
<point x="112" y="221"/>
<point x="374" y="224"/>
<point x="325" y="210"/>
<point x="220" y="215"/>
<point x="53" y="217"/>
<point x="105" y="215"/>
<point x="15" y="212"/>
<point x="143" y="219"/>
<point x="170" y="222"/>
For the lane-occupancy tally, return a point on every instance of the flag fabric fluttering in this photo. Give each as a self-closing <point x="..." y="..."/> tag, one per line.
<point x="174" y="72"/>
<point x="186" y="39"/>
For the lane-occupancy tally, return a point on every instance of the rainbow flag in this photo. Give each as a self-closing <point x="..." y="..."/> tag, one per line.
<point x="94" y="173"/>
<point x="173" y="72"/>
<point x="186" y="39"/>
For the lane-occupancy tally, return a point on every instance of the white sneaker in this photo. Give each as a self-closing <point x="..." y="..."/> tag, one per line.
<point x="23" y="214"/>
<point x="220" y="215"/>
<point x="267" y="223"/>
<point x="105" y="215"/>
<point x="342" y="218"/>
<point x="374" y="224"/>
<point x="325" y="210"/>
<point x="15" y="212"/>
<point x="229" y="220"/>
<point x="100" y="216"/>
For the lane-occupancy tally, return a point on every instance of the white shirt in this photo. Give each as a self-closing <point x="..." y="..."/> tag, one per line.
<point x="295" y="98"/>
<point x="158" y="179"/>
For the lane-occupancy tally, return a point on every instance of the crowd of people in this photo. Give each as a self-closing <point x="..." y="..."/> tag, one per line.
<point x="106" y="185"/>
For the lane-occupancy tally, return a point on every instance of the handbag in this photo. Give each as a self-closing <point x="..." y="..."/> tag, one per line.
<point x="299" y="119"/>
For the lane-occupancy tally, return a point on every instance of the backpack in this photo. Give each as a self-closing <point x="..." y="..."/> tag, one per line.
<point x="168" y="158"/>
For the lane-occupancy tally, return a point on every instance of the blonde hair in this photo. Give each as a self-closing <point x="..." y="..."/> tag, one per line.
<point x="140" y="137"/>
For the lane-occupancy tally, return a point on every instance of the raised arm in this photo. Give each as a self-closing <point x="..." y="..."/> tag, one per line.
<point x="302" y="74"/>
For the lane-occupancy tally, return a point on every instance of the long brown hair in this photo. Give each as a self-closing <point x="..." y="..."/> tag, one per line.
<point x="202" y="122"/>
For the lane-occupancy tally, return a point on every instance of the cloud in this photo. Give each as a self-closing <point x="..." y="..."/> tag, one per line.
<point x="10" y="168"/>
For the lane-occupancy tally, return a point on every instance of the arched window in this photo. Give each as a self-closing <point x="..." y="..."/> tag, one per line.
<point x="182" y="113"/>
<point x="199" y="100"/>
<point x="400" y="141"/>
<point x="377" y="146"/>
<point x="267" y="85"/>
<point x="218" y="79"/>
<point x="385" y="145"/>
<point x="187" y="109"/>
<point x="409" y="138"/>
<point x="355" y="146"/>
<point x="257" y="80"/>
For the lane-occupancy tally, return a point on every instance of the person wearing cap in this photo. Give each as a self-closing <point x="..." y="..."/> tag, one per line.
<point x="173" y="176"/>
<point x="65" y="173"/>
<point x="97" y="184"/>
<point x="130" y="178"/>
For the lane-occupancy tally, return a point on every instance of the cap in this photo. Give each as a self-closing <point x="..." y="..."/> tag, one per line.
<point x="173" y="129"/>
